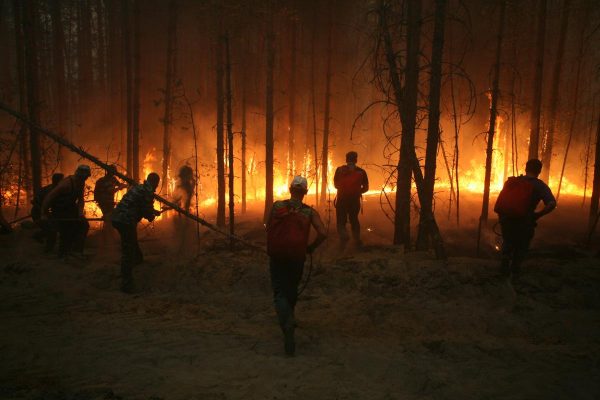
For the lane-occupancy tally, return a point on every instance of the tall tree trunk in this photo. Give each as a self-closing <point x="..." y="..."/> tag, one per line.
<point x="85" y="62"/>
<point x="114" y="62"/>
<point x="269" y="115"/>
<point x="313" y="101"/>
<point x="135" y="124"/>
<point x="126" y="19"/>
<point x="327" y="116"/>
<point x="60" y="89"/>
<point x="595" y="199"/>
<point x="554" y="96"/>
<point x="575" y="101"/>
<point x="169" y="82"/>
<point x="408" y="114"/>
<point x="492" y="124"/>
<point x="23" y="130"/>
<point x="244" y="167"/>
<point x="101" y="53"/>
<point x="231" y="172"/>
<point x="29" y="17"/>
<point x="433" y="129"/>
<point x="220" y="134"/>
<point x="534" y="135"/>
<point x="292" y="104"/>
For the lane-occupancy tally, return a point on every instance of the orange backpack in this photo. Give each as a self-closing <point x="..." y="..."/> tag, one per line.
<point x="514" y="201"/>
<point x="350" y="183"/>
<point x="288" y="231"/>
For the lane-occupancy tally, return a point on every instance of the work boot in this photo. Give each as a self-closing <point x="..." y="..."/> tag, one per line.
<point x="288" y="335"/>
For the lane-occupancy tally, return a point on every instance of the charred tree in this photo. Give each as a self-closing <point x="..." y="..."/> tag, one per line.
<point x="135" y="123"/>
<point x="292" y="104"/>
<point x="270" y="44"/>
<point x="101" y="44"/>
<point x="231" y="172"/>
<point x="85" y="60"/>
<point x="554" y="96"/>
<point x="126" y="20"/>
<point x="575" y="102"/>
<point x="22" y="87"/>
<point x="243" y="134"/>
<point x="29" y="19"/>
<point x="327" y="116"/>
<point x="58" y="55"/>
<point x="169" y="89"/>
<point x="433" y="129"/>
<point x="534" y="135"/>
<point x="220" y="135"/>
<point x="492" y="125"/>
<point x="313" y="101"/>
<point x="114" y="62"/>
<point x="595" y="199"/>
<point x="408" y="115"/>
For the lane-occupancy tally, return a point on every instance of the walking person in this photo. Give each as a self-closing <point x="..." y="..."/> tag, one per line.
<point x="288" y="231"/>
<point x="351" y="182"/>
<point x="516" y="208"/>
<point x="136" y="204"/>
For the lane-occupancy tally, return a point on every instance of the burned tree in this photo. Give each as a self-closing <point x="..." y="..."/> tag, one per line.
<point x="433" y="129"/>
<point x="169" y="92"/>
<point x="554" y="96"/>
<point x="270" y="45"/>
<point x="220" y="134"/>
<point x="534" y="135"/>
<point x="492" y="124"/>
<point x="231" y="172"/>
<point x="30" y="36"/>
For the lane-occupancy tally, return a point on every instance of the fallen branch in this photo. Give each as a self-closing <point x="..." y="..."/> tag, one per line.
<point x="63" y="142"/>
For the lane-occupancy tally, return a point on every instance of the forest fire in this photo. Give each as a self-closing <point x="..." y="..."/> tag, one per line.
<point x="323" y="199"/>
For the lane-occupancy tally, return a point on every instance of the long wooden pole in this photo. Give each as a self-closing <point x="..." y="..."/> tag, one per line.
<point x="78" y="150"/>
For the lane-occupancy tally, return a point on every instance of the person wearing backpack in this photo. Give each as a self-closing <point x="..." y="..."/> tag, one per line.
<point x="351" y="182"/>
<point x="516" y="208"/>
<point x="288" y="230"/>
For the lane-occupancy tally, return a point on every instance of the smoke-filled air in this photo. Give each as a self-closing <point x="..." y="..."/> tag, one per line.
<point x="379" y="199"/>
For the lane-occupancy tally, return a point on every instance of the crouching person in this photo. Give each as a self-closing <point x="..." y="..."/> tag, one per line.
<point x="288" y="229"/>
<point x="137" y="203"/>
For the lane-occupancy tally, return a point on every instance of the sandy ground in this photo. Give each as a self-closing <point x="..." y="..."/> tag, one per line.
<point x="374" y="324"/>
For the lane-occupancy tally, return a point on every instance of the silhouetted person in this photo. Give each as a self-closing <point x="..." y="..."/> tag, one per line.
<point x="351" y="182"/>
<point x="4" y="225"/>
<point x="186" y="183"/>
<point x="105" y="190"/>
<point x="67" y="202"/>
<point x="516" y="209"/>
<point x="47" y="232"/>
<point x="288" y="229"/>
<point x="136" y="204"/>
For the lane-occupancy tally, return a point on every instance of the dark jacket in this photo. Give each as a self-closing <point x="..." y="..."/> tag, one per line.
<point x="137" y="203"/>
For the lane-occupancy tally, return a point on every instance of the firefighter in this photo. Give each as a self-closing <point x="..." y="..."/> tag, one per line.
<point x="186" y="184"/>
<point x="136" y="204"/>
<point x="288" y="230"/>
<point x="516" y="208"/>
<point x="67" y="202"/>
<point x="47" y="232"/>
<point x="351" y="182"/>
<point x="105" y="190"/>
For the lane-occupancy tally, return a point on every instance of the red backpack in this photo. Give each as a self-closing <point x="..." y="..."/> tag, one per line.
<point x="288" y="231"/>
<point x="514" y="201"/>
<point x="350" y="183"/>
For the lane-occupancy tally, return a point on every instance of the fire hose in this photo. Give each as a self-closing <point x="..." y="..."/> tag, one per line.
<point x="64" y="142"/>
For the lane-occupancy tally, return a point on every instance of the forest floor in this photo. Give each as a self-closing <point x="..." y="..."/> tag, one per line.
<point x="373" y="324"/>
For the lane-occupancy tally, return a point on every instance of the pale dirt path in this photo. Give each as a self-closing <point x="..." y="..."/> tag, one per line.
<point x="374" y="325"/>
